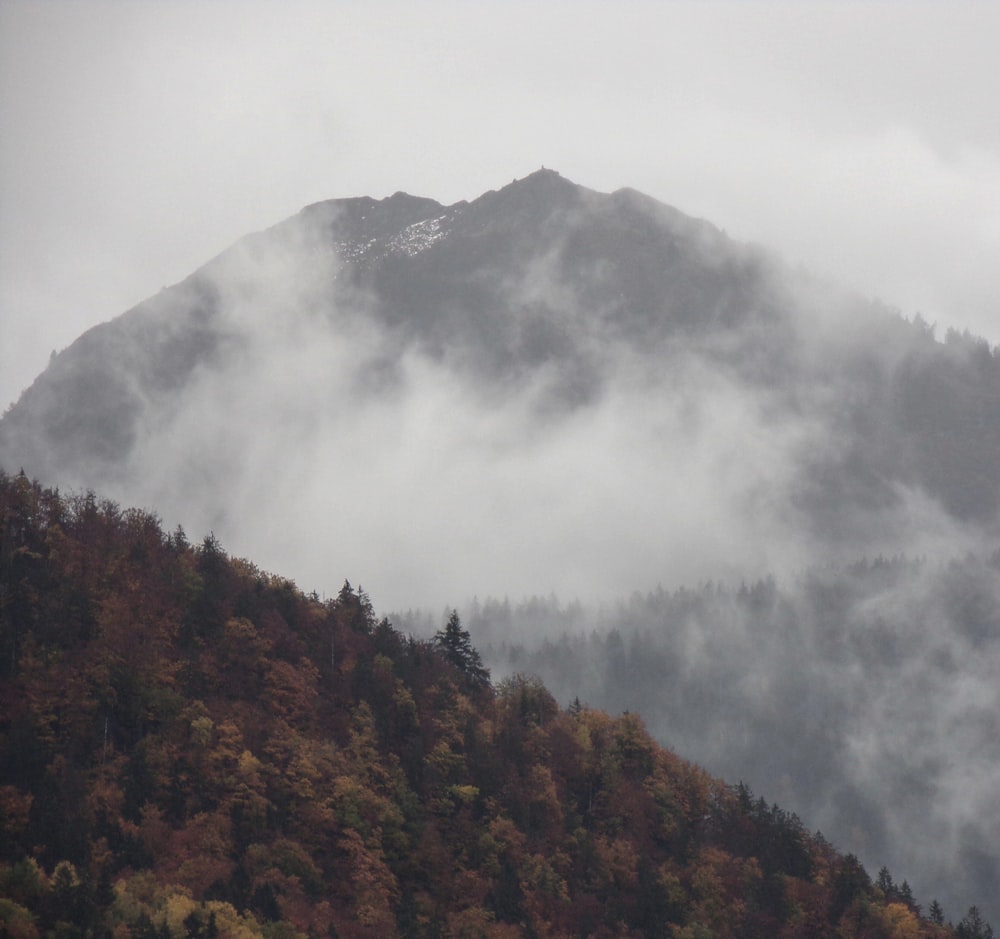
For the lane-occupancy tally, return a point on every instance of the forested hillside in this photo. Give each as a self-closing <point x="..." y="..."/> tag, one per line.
<point x="192" y="747"/>
<point x="863" y="696"/>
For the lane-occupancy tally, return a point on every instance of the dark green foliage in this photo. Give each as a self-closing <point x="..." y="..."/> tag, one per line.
<point x="455" y="644"/>
<point x="973" y="926"/>
<point x="851" y="883"/>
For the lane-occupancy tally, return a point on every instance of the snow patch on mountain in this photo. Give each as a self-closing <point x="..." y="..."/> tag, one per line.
<point x="407" y="242"/>
<point x="419" y="236"/>
<point x="353" y="250"/>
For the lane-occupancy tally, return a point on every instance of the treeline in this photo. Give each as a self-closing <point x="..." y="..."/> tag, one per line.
<point x="192" y="747"/>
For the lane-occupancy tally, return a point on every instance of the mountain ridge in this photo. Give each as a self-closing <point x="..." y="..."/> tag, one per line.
<point x="339" y="220"/>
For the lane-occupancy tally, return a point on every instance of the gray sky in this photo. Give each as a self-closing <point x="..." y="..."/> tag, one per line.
<point x="139" y="139"/>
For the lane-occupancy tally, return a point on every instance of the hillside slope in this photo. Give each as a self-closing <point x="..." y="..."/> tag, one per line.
<point x="192" y="747"/>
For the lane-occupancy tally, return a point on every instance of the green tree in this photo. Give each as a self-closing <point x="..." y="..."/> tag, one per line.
<point x="973" y="926"/>
<point x="455" y="644"/>
<point x="905" y="894"/>
<point x="885" y="883"/>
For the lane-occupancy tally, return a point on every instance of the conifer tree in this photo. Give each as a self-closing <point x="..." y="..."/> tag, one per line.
<point x="973" y="926"/>
<point x="455" y="644"/>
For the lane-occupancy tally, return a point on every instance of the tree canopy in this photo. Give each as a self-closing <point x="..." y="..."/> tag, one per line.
<point x="181" y="755"/>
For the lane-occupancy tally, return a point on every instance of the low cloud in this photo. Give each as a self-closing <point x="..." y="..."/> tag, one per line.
<point x="324" y="442"/>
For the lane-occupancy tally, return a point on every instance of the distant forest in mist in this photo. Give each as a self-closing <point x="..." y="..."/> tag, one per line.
<point x="864" y="698"/>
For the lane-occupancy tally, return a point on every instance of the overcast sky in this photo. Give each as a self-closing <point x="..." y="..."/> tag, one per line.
<point x="139" y="139"/>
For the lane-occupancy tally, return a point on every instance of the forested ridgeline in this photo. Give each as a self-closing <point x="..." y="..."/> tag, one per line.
<point x="192" y="747"/>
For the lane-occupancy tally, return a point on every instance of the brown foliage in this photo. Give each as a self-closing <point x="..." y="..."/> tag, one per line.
<point x="183" y="737"/>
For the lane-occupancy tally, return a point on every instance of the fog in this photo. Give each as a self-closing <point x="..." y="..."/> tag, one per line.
<point x="325" y="446"/>
<point x="329" y="452"/>
<point x="324" y="443"/>
<point x="556" y="448"/>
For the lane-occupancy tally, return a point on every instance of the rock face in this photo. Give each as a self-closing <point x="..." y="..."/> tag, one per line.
<point x="542" y="292"/>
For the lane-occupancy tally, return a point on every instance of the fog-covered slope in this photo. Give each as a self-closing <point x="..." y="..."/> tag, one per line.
<point x="544" y="388"/>
<point x="863" y="698"/>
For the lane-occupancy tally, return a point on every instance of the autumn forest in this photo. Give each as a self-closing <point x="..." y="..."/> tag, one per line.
<point x="192" y="747"/>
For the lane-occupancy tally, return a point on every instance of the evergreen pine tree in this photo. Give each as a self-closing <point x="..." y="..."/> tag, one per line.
<point x="884" y="883"/>
<point x="455" y="644"/>
<point x="973" y="926"/>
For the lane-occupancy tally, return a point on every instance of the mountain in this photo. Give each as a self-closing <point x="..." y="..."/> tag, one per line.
<point x="191" y="747"/>
<point x="530" y="277"/>
<point x="551" y="299"/>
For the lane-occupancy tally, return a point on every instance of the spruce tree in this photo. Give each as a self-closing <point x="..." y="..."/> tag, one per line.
<point x="455" y="644"/>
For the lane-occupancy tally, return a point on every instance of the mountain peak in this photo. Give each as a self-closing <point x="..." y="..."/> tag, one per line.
<point x="543" y="180"/>
<point x="543" y="173"/>
<point x="531" y="197"/>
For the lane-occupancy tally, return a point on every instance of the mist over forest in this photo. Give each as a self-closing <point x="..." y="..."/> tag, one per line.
<point x="862" y="698"/>
<point x="554" y="392"/>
